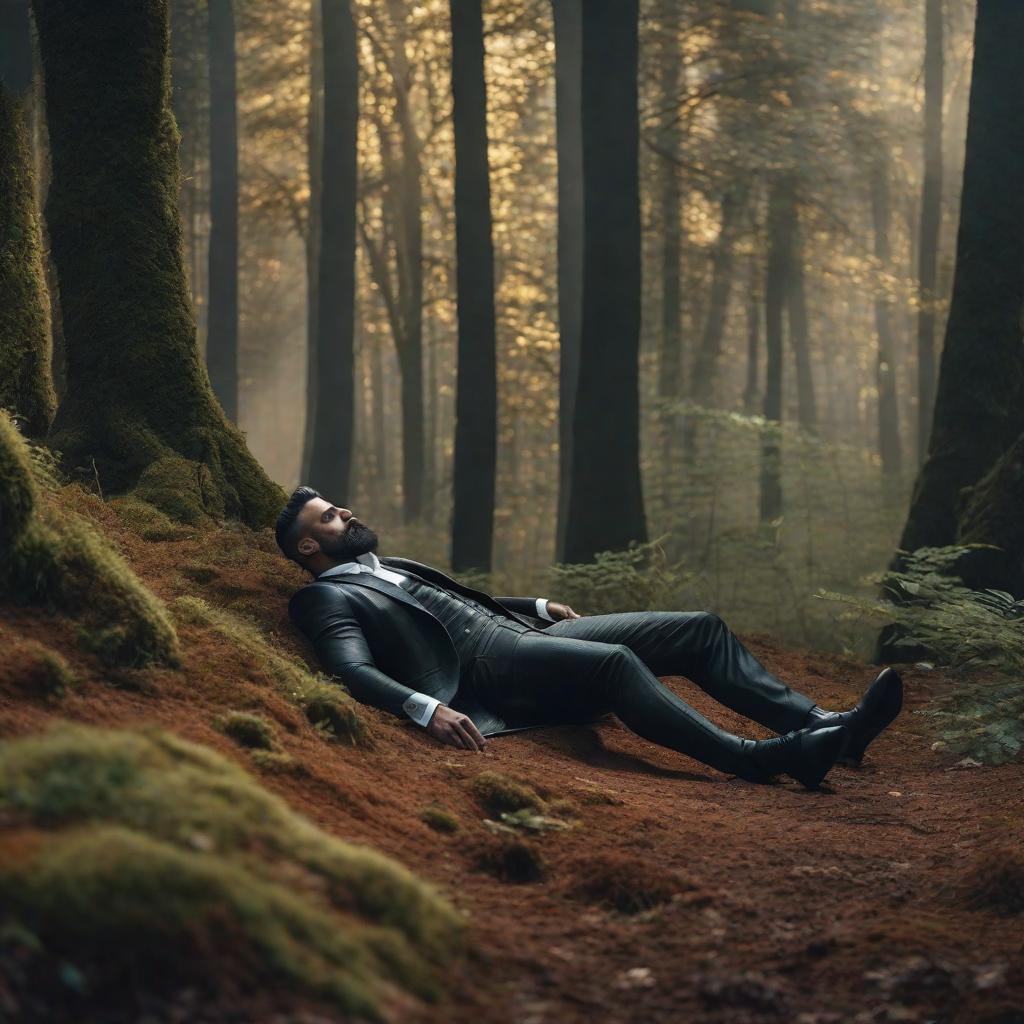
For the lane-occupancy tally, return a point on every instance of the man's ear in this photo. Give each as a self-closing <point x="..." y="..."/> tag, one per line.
<point x="307" y="546"/>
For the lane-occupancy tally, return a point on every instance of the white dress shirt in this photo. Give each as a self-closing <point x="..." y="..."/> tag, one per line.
<point x="418" y="706"/>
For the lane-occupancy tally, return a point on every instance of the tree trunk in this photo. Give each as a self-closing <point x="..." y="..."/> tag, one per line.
<point x="979" y="406"/>
<point x="889" y="447"/>
<point x="931" y="219"/>
<point x="314" y="164"/>
<point x="799" y="333"/>
<point x="705" y="366"/>
<point x="606" y="509"/>
<point x="139" y="410"/>
<point x="476" y="395"/>
<point x="754" y="301"/>
<point x="331" y="462"/>
<point x="568" y="15"/>
<point x="780" y="249"/>
<point x="222" y="321"/>
<point x="25" y="385"/>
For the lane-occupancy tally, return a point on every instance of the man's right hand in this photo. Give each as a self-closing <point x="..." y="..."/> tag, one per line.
<point x="455" y="728"/>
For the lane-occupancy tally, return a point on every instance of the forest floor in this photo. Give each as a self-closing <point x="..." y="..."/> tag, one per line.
<point x="856" y="902"/>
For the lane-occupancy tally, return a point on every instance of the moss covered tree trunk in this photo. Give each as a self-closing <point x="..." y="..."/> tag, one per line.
<point x="979" y="406"/>
<point x="139" y="412"/>
<point x="25" y="387"/>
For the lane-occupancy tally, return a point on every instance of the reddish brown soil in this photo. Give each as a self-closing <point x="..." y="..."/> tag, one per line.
<point x="845" y="904"/>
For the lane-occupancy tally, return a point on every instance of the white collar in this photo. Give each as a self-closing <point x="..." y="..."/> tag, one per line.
<point x="369" y="560"/>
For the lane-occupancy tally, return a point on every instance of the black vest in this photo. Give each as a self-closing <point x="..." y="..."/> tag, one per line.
<point x="468" y="622"/>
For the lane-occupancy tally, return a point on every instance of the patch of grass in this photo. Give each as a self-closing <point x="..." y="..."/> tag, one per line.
<point x="147" y="520"/>
<point x="276" y="761"/>
<point x="498" y="792"/>
<point x="324" y="700"/>
<point x="625" y="883"/>
<point x="510" y="859"/>
<point x="440" y="819"/>
<point x="154" y="847"/>
<point x="996" y="882"/>
<point x="248" y="730"/>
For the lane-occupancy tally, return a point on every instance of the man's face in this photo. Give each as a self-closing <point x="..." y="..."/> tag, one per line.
<point x="333" y="531"/>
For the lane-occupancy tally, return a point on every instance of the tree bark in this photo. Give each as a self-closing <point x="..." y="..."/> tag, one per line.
<point x="139" y="412"/>
<point x="979" y="406"/>
<point x="331" y="461"/>
<point x="476" y="394"/>
<point x="314" y="163"/>
<point x="568" y="17"/>
<point x="931" y="220"/>
<point x="606" y="509"/>
<point x="889" y="446"/>
<point x="222" y="321"/>
<point x="780" y="248"/>
<point x="25" y="384"/>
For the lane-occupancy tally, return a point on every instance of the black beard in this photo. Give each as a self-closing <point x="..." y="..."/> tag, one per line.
<point x="357" y="540"/>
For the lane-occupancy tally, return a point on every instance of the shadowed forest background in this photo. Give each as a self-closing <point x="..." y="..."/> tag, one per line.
<point x="634" y="305"/>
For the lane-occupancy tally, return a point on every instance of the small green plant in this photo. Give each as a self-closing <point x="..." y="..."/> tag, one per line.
<point x="440" y="819"/>
<point x="498" y="792"/>
<point x="248" y="730"/>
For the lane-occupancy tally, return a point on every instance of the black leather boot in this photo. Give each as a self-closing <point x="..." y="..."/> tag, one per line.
<point x="880" y="704"/>
<point x="805" y="754"/>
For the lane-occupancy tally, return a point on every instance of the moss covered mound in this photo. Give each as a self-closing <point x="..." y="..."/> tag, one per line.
<point x="498" y="792"/>
<point x="144" y="850"/>
<point x="49" y="555"/>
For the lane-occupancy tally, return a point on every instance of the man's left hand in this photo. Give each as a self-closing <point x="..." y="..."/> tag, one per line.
<point x="561" y="611"/>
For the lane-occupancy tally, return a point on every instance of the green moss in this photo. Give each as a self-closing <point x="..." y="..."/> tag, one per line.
<point x="139" y="410"/>
<point x="498" y="792"/>
<point x="248" y="730"/>
<point x="147" y="520"/>
<point x="54" y="557"/>
<point x="45" y="672"/>
<point x="25" y="384"/>
<point x="276" y="761"/>
<point x="440" y="819"/>
<point x="324" y="702"/>
<point x="190" y="797"/>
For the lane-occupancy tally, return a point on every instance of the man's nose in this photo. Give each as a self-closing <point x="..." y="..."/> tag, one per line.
<point x="345" y="514"/>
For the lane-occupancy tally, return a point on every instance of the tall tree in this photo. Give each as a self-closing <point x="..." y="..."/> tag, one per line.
<point x="568" y="17"/>
<point x="314" y="214"/>
<point x="139" y="411"/>
<point x="606" y="508"/>
<point x="222" y="321"/>
<point x="476" y="395"/>
<point x="979" y="405"/>
<point x="25" y="386"/>
<point x="331" y="459"/>
<point x="889" y="447"/>
<point x="931" y="220"/>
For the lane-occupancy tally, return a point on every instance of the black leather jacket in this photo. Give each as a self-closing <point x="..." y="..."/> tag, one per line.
<point x="384" y="645"/>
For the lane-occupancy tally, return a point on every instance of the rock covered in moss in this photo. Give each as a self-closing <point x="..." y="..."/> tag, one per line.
<point x="150" y="848"/>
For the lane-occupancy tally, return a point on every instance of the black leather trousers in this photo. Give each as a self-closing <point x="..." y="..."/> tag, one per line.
<point x="579" y="669"/>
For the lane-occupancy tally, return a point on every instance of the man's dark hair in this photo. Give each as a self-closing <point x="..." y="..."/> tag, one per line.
<point x="287" y="529"/>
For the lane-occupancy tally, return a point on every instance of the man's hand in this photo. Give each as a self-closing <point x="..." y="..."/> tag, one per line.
<point x="455" y="728"/>
<point x="561" y="611"/>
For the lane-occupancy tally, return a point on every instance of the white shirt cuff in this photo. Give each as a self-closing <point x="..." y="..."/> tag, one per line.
<point x="419" y="707"/>
<point x="542" y="609"/>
